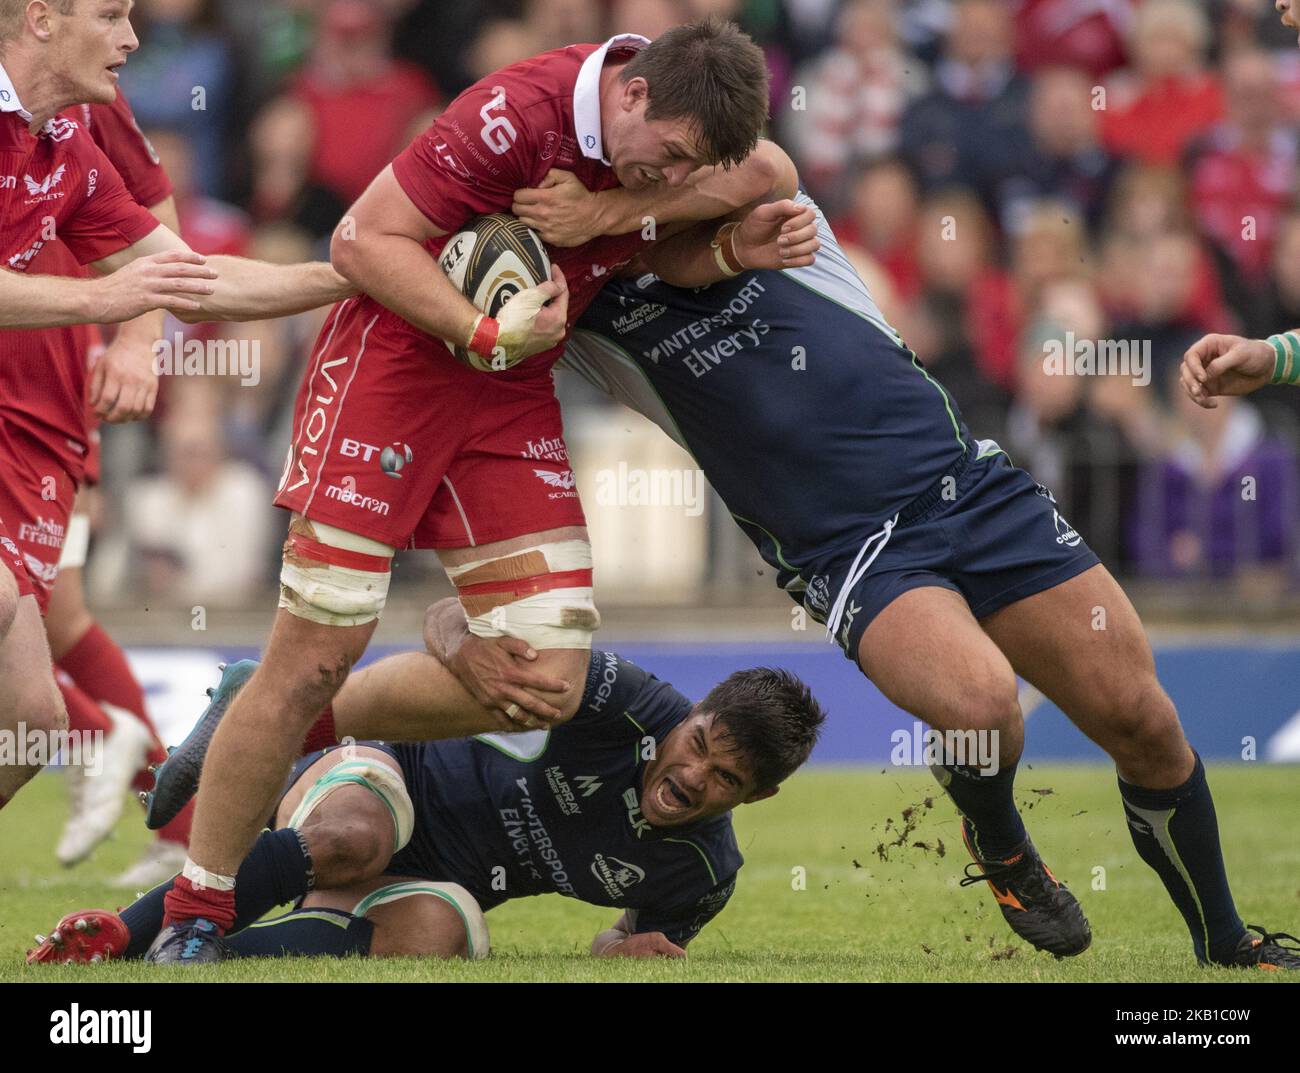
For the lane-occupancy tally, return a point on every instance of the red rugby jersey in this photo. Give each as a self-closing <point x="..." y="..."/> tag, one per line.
<point x="66" y="182"/>
<point x="507" y="132"/>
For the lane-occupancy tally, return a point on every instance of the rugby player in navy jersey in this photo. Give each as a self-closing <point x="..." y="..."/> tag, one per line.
<point x="401" y="849"/>
<point x="938" y="566"/>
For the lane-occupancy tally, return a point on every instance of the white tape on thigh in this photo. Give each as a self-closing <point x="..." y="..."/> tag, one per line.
<point x="477" y="943"/>
<point x="377" y="777"/>
<point x="76" y="542"/>
<point x="336" y="595"/>
<point x="554" y="618"/>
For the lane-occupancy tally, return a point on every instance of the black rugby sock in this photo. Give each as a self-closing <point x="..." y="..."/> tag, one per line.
<point x="277" y="870"/>
<point x="986" y="801"/>
<point x="305" y="932"/>
<point x="1177" y="833"/>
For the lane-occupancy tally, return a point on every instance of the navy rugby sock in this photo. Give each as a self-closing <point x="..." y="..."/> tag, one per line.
<point x="1177" y="833"/>
<point x="277" y="870"/>
<point x="309" y="932"/>
<point x="989" y="807"/>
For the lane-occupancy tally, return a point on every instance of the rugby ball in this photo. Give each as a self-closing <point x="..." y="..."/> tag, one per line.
<point x="489" y="262"/>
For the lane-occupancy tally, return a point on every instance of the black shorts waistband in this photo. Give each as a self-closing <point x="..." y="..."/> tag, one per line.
<point x="933" y="495"/>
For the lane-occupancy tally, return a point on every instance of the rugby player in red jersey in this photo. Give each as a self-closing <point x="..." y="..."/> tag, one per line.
<point x="477" y="448"/>
<point x="60" y="377"/>
<point x="57" y="184"/>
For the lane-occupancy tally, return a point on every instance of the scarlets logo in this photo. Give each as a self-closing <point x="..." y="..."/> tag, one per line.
<point x="557" y="480"/>
<point x="43" y="190"/>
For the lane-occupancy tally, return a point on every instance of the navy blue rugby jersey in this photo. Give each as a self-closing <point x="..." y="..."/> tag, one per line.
<point x="803" y="407"/>
<point x="513" y="815"/>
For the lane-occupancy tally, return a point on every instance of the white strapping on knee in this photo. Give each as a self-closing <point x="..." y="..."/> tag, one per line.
<point x="76" y="542"/>
<point x="377" y="777"/>
<point x="476" y="930"/>
<point x="334" y="577"/>
<point x="553" y="606"/>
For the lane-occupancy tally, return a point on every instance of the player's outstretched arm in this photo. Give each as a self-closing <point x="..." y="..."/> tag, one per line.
<point x="242" y="289"/>
<point x="379" y="246"/>
<point x="1233" y="365"/>
<point x="566" y="213"/>
<point x="177" y="280"/>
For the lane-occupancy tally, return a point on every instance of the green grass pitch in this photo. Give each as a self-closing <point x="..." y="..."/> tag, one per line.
<point x="879" y="901"/>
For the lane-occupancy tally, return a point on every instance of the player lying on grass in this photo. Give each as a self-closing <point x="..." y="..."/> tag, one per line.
<point x="400" y="849"/>
<point x="940" y="568"/>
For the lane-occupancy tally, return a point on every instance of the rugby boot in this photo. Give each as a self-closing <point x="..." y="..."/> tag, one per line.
<point x="97" y="794"/>
<point x="176" y="779"/>
<point x="1265" y="951"/>
<point x="1037" y="905"/>
<point x="81" y="938"/>
<point x="188" y="942"/>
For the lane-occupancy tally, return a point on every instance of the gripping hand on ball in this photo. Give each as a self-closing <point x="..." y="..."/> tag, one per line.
<point x="531" y="322"/>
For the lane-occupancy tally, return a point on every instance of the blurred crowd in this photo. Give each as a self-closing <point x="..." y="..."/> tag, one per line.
<point x="1012" y="176"/>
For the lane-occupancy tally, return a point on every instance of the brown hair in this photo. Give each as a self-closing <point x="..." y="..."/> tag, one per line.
<point x="710" y="72"/>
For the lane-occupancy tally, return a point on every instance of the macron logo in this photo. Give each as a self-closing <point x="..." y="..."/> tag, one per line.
<point x="76" y="1025"/>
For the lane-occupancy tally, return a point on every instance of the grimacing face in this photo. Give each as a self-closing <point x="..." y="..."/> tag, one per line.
<point x="696" y="775"/>
<point x="644" y="152"/>
<point x="86" y="47"/>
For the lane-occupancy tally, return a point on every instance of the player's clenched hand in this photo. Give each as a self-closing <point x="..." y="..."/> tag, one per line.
<point x="644" y="944"/>
<point x="561" y="210"/>
<point x="168" y="280"/>
<point x="534" y="320"/>
<point x="780" y="234"/>
<point x="498" y="671"/>
<point x="123" y="383"/>
<point x="1225" y="365"/>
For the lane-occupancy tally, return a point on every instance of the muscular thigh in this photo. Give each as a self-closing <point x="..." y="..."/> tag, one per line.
<point x="1081" y="643"/>
<point x="26" y="675"/>
<point x="928" y="655"/>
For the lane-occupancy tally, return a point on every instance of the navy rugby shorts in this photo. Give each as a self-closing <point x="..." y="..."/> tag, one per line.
<point x="986" y="530"/>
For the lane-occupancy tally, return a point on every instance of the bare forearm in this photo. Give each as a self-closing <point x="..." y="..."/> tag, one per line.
<point x="687" y="259"/>
<point x="256" y="290"/>
<point x="409" y="697"/>
<point x="398" y="272"/>
<point x="148" y="327"/>
<point x="709" y="193"/>
<point x="45" y="301"/>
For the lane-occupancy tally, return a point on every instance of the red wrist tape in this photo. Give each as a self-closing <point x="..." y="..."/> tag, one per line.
<point x="484" y="338"/>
